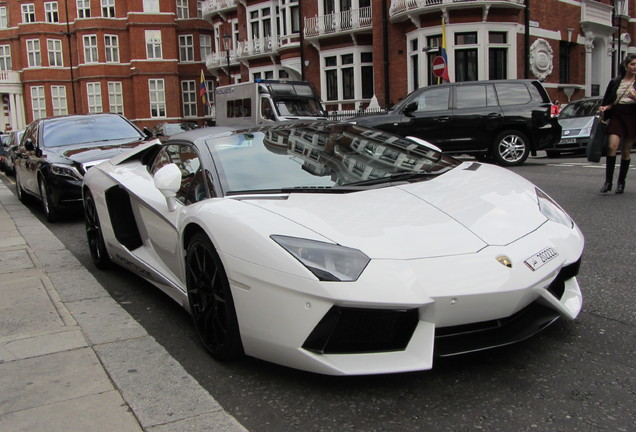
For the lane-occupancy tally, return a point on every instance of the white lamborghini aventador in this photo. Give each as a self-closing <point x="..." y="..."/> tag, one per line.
<point x="334" y="248"/>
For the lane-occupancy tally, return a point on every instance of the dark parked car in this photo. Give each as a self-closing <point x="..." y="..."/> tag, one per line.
<point x="9" y="146"/>
<point x="55" y="153"/>
<point x="163" y="131"/>
<point x="577" y="120"/>
<point x="505" y="120"/>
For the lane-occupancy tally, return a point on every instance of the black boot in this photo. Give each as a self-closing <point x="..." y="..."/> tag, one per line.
<point x="610" y="163"/>
<point x="622" y="174"/>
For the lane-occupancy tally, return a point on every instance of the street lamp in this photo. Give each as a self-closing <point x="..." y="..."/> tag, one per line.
<point x="227" y="43"/>
<point x="619" y="11"/>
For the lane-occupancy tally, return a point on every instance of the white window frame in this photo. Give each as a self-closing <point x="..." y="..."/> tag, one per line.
<point x="111" y="46"/>
<point x="89" y="42"/>
<point x="357" y="64"/>
<point x="189" y="98"/>
<point x="200" y="9"/>
<point x="94" y="97"/>
<point x="51" y="14"/>
<point x="186" y="48"/>
<point x="34" y="58"/>
<point x="154" y="48"/>
<point x="83" y="8"/>
<point x="58" y="100"/>
<point x="151" y="6"/>
<point x="205" y="46"/>
<point x="5" y="58"/>
<point x="115" y="97"/>
<point x="157" y="97"/>
<point x="3" y="18"/>
<point x="54" y="51"/>
<point x="108" y="8"/>
<point x="288" y="10"/>
<point x="38" y="102"/>
<point x="260" y="19"/>
<point x="183" y="11"/>
<point x="28" y="12"/>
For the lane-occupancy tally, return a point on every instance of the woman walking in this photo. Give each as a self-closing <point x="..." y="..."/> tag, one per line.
<point x="619" y="105"/>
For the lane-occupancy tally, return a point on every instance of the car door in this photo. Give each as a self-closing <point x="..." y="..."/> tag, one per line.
<point x="27" y="161"/>
<point x="159" y="227"/>
<point x="476" y="117"/>
<point x="427" y="116"/>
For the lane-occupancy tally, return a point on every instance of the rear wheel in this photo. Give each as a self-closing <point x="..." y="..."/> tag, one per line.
<point x="51" y="213"/>
<point x="511" y="148"/>
<point x="211" y="302"/>
<point x="94" y="234"/>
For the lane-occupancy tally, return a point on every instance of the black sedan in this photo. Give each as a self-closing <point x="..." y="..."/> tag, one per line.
<point x="55" y="153"/>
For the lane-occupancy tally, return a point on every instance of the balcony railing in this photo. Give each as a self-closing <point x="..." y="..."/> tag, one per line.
<point x="256" y="47"/>
<point x="10" y="77"/>
<point x="213" y="7"/>
<point x="346" y="21"/>
<point x="401" y="6"/>
<point x="218" y="59"/>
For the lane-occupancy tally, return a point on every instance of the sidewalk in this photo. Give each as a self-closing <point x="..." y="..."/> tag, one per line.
<point x="71" y="359"/>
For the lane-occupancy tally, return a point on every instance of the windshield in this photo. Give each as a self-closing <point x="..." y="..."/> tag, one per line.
<point x="584" y="108"/>
<point x="320" y="155"/>
<point x="298" y="107"/>
<point x="85" y="129"/>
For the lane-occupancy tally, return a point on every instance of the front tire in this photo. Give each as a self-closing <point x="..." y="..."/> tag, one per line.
<point x="94" y="234"/>
<point x="51" y="213"/>
<point x="511" y="148"/>
<point x="211" y="302"/>
<point x="22" y="196"/>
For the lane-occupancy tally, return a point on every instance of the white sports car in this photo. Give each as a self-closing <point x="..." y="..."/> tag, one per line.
<point x="334" y="248"/>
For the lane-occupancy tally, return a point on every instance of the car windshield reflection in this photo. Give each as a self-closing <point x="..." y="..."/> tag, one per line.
<point x="84" y="130"/>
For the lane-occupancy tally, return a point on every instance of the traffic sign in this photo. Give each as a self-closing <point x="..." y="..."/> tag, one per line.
<point x="439" y="66"/>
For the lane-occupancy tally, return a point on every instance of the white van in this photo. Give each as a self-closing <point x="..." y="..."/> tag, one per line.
<point x="267" y="101"/>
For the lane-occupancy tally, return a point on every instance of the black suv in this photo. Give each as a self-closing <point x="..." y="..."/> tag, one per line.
<point x="504" y="120"/>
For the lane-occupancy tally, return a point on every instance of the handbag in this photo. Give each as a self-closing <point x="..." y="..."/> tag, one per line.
<point x="597" y="146"/>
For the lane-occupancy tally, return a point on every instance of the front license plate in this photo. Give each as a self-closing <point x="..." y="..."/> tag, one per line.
<point x="537" y="260"/>
<point x="568" y="141"/>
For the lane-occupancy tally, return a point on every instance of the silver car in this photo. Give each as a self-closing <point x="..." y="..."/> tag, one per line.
<point x="577" y="121"/>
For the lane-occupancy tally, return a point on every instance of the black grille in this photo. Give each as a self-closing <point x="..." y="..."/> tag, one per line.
<point x="557" y="287"/>
<point x="353" y="330"/>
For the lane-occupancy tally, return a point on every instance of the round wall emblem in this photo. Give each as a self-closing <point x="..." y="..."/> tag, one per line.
<point x="541" y="59"/>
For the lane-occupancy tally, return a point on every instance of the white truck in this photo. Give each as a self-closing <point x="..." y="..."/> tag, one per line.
<point x="267" y="101"/>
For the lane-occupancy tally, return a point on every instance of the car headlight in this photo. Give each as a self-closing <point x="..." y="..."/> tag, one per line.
<point x="586" y="131"/>
<point x="329" y="262"/>
<point x="552" y="210"/>
<point x="66" y="171"/>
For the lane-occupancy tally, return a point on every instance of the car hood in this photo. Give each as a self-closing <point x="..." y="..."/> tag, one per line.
<point x="90" y="152"/>
<point x="577" y="122"/>
<point x="459" y="212"/>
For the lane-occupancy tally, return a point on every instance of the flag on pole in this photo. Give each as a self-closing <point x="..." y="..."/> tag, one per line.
<point x="445" y="77"/>
<point x="203" y="92"/>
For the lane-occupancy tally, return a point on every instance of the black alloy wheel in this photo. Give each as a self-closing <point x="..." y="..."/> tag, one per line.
<point x="50" y="211"/>
<point x="510" y="148"/>
<point x="94" y="234"/>
<point x="211" y="301"/>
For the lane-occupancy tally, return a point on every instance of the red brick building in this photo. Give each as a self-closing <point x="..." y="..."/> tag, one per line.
<point x="144" y="58"/>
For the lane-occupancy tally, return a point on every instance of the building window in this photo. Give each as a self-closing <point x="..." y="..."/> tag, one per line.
<point x="153" y="44"/>
<point x="151" y="6"/>
<point x="50" y="12"/>
<point x="111" y="45"/>
<point x="38" y="102"/>
<point x="260" y="23"/>
<point x="3" y="17"/>
<point x="205" y="43"/>
<point x="156" y="89"/>
<point x="189" y="96"/>
<point x="289" y="17"/>
<point x="564" y="62"/>
<point x="28" y="13"/>
<point x="497" y="55"/>
<point x="5" y="57"/>
<point x="186" y="48"/>
<point x="58" y="99"/>
<point x="348" y="76"/>
<point x="54" y="47"/>
<point x="466" y="60"/>
<point x="434" y="43"/>
<point x="90" y="49"/>
<point x="115" y="97"/>
<point x="83" y="8"/>
<point x="33" y="52"/>
<point x="94" y="94"/>
<point x="200" y="9"/>
<point x="182" y="9"/>
<point x="108" y="8"/>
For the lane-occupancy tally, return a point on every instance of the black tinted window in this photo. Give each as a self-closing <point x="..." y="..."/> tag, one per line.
<point x="433" y="99"/>
<point x="76" y="130"/>
<point x="513" y="93"/>
<point x="475" y="96"/>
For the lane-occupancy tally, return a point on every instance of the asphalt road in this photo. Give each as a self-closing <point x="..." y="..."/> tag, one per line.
<point x="575" y="376"/>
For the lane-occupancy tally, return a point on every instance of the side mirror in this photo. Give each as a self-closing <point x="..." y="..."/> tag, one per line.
<point x="409" y="109"/>
<point x="28" y="144"/>
<point x="168" y="181"/>
<point x="147" y="132"/>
